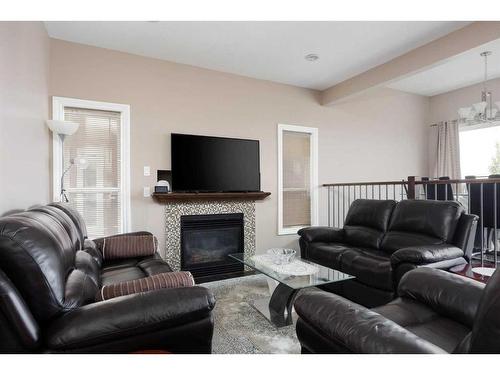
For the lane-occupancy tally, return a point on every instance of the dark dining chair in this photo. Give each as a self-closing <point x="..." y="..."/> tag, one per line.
<point x="484" y="201"/>
<point x="440" y="192"/>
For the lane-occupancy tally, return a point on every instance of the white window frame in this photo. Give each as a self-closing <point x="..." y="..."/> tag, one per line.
<point x="58" y="105"/>
<point x="313" y="132"/>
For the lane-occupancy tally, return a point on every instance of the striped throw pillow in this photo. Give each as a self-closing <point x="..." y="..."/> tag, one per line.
<point x="160" y="281"/>
<point x="117" y="247"/>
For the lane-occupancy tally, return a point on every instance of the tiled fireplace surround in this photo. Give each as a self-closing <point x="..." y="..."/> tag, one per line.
<point x="174" y="211"/>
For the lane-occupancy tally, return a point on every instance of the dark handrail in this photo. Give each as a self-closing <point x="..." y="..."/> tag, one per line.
<point x="399" y="182"/>
<point x="460" y="181"/>
<point x="411" y="182"/>
<point x="418" y="182"/>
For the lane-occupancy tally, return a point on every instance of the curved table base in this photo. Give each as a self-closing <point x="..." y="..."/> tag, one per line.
<point x="278" y="309"/>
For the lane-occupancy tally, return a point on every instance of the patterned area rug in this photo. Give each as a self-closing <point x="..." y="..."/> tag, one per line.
<point x="239" y="328"/>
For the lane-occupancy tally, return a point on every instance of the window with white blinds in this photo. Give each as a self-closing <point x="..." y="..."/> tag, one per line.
<point x="97" y="184"/>
<point x="297" y="177"/>
<point x="93" y="183"/>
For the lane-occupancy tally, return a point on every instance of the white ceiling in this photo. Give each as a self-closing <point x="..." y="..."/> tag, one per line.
<point x="460" y="71"/>
<point x="271" y="51"/>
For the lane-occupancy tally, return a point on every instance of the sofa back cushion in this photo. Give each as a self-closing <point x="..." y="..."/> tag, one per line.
<point x="366" y="222"/>
<point x="422" y="222"/>
<point x="66" y="222"/>
<point x="38" y="255"/>
<point x="75" y="216"/>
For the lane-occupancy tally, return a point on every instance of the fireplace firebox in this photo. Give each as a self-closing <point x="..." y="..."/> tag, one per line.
<point x="206" y="242"/>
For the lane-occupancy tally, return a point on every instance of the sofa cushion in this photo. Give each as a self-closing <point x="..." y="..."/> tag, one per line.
<point x="370" y="267"/>
<point x="326" y="254"/>
<point x="425" y="323"/>
<point x="395" y="240"/>
<point x="159" y="281"/>
<point x="153" y="265"/>
<point x="437" y="219"/>
<point x="119" y="270"/>
<point x="87" y="264"/>
<point x="53" y="227"/>
<point x="65" y="221"/>
<point x="117" y="247"/>
<point x="119" y="263"/>
<point x="90" y="247"/>
<point x="371" y="213"/>
<point x="116" y="275"/>
<point x="367" y="221"/>
<point x="75" y="216"/>
<point x="38" y="255"/>
<point x="363" y="236"/>
<point x="80" y="290"/>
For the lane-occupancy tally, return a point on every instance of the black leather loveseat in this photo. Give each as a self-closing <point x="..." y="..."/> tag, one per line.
<point x="50" y="275"/>
<point x="436" y="312"/>
<point x="382" y="240"/>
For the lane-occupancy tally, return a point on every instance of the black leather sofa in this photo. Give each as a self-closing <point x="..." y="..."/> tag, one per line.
<point x="436" y="312"/>
<point x="382" y="240"/>
<point x="49" y="277"/>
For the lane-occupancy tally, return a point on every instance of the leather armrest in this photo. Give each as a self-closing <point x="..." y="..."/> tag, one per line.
<point x="451" y="295"/>
<point x="357" y="328"/>
<point x="128" y="316"/>
<point x="425" y="254"/>
<point x="321" y="234"/>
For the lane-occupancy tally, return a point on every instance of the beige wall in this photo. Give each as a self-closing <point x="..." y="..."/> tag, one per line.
<point x="377" y="137"/>
<point x="24" y="138"/>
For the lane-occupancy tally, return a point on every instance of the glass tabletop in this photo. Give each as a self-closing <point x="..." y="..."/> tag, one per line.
<point x="298" y="274"/>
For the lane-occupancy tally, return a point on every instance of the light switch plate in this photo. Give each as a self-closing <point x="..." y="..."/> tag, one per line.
<point x="147" y="170"/>
<point x="147" y="191"/>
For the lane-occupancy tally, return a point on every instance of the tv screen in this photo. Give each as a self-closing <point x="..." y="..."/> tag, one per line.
<point x="213" y="164"/>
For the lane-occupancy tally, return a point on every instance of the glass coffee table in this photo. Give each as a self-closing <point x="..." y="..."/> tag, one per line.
<point x="290" y="278"/>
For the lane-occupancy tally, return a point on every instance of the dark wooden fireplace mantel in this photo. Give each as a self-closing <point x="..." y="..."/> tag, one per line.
<point x="178" y="197"/>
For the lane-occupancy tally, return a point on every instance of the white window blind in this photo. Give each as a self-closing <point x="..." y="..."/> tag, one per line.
<point x="296" y="179"/>
<point x="93" y="184"/>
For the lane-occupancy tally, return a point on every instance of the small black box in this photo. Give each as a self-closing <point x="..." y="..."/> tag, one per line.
<point x="161" y="189"/>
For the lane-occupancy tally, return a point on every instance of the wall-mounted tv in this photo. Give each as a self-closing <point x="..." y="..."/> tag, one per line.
<point x="214" y="164"/>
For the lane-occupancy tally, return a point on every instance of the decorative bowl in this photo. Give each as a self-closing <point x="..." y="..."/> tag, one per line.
<point x="281" y="256"/>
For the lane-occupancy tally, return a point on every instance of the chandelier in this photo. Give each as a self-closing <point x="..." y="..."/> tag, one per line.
<point x="485" y="110"/>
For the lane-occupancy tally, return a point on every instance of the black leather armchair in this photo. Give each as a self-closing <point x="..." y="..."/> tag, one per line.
<point x="50" y="273"/>
<point x="382" y="240"/>
<point x="436" y="312"/>
<point x="138" y="321"/>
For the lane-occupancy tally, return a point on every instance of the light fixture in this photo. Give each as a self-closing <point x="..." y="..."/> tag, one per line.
<point x="483" y="111"/>
<point x="311" y="57"/>
<point x="63" y="129"/>
<point x="80" y="163"/>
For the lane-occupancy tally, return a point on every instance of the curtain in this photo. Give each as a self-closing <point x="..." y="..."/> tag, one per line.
<point x="447" y="162"/>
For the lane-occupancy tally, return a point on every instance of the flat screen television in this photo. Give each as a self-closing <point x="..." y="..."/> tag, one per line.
<point x="214" y="164"/>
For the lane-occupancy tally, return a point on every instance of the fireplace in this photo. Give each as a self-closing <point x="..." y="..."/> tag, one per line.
<point x="206" y="242"/>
